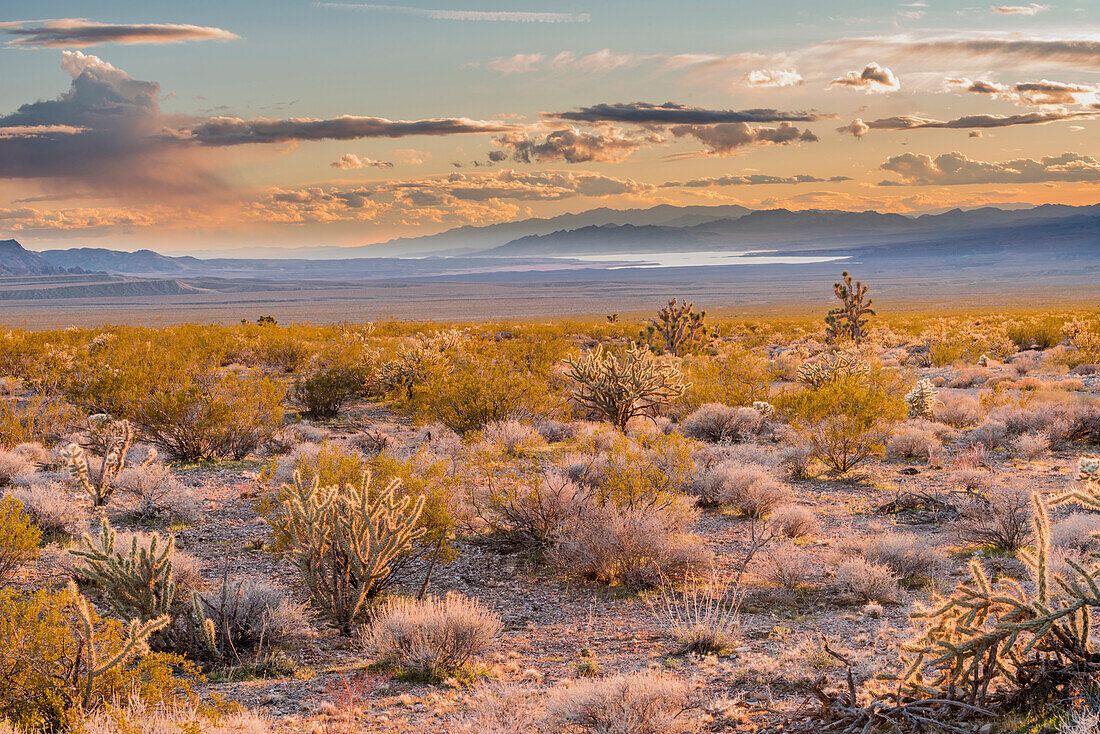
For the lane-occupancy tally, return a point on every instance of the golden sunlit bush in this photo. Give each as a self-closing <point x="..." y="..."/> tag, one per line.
<point x="19" y="538"/>
<point x="734" y="376"/>
<point x="964" y="340"/>
<point x="40" y="418"/>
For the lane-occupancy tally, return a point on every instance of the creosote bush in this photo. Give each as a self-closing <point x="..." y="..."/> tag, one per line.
<point x="19" y="538"/>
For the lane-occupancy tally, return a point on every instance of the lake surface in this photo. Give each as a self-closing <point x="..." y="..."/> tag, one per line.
<point x="699" y="259"/>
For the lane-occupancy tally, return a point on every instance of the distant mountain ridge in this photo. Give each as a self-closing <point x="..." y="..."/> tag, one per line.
<point x="14" y="260"/>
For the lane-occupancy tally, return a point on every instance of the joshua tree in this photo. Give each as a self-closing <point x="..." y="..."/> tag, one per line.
<point x="619" y="390"/>
<point x="847" y="320"/>
<point x="679" y="326"/>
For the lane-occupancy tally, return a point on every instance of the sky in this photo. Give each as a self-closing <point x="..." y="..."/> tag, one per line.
<point x="206" y="126"/>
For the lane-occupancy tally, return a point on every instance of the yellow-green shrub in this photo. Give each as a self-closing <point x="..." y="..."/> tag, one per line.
<point x="41" y="418"/>
<point x="650" y="470"/>
<point x="733" y="377"/>
<point x="19" y="537"/>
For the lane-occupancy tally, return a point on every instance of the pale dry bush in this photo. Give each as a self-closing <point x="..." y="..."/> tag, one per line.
<point x="748" y="453"/>
<point x="439" y="440"/>
<point x="867" y="580"/>
<point x="636" y="547"/>
<point x="557" y="431"/>
<point x="637" y="703"/>
<point x="430" y="638"/>
<point x="512" y="437"/>
<point x="1001" y="518"/>
<point x="309" y="433"/>
<point x="990" y="434"/>
<point x="374" y="440"/>
<point x="52" y="509"/>
<point x="914" y="560"/>
<point x="1051" y="418"/>
<point x="787" y="565"/>
<point x="715" y="422"/>
<point x="286" y="465"/>
<point x="13" y="465"/>
<point x="528" y="515"/>
<point x="596" y="437"/>
<point x="958" y="410"/>
<point x="913" y="439"/>
<point x="797" y="460"/>
<point x="35" y="453"/>
<point x="749" y="488"/>
<point x="502" y="709"/>
<point x="795" y="521"/>
<point x="1084" y="722"/>
<point x="973" y="481"/>
<point x="1026" y="362"/>
<point x="152" y="492"/>
<point x="254" y="614"/>
<point x="1076" y="531"/>
<point x="970" y="376"/>
<point x="703" y="616"/>
<point x="1031" y="445"/>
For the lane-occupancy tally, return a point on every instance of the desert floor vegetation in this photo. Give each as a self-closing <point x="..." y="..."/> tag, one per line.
<point x="676" y="524"/>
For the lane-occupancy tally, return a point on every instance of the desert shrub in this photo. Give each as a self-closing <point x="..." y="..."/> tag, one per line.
<point x="152" y="492"/>
<point x="962" y="340"/>
<point x="343" y="540"/>
<point x="715" y="422"/>
<point x="138" y="717"/>
<point x="12" y="465"/>
<point x="1035" y="332"/>
<point x="797" y="460"/>
<point x="57" y="656"/>
<point x="913" y="440"/>
<point x="638" y="703"/>
<point x="324" y="393"/>
<point x="846" y="421"/>
<point x="51" y="508"/>
<point x="40" y="418"/>
<point x="620" y="389"/>
<point x="989" y="434"/>
<point x="32" y="451"/>
<point x="650" y="470"/>
<point x="19" y="538"/>
<point x="1031" y="445"/>
<point x="430" y="639"/>
<point x="787" y="566"/>
<point x="970" y="376"/>
<point x="246" y="616"/>
<point x="958" y="410"/>
<point x="374" y="440"/>
<point x="795" y="521"/>
<point x="749" y="488"/>
<point x="703" y="617"/>
<point x="529" y="515"/>
<point x="1085" y="425"/>
<point x="734" y="376"/>
<point x="512" y="437"/>
<point x="916" y="562"/>
<point x="868" y="580"/>
<point x="195" y="415"/>
<point x="557" y="431"/>
<point x="1001" y="519"/>
<point x="1053" y="419"/>
<point x="634" y="547"/>
<point x="1076" y="532"/>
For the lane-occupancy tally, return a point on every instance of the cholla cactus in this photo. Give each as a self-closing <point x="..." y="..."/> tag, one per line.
<point x="429" y="354"/>
<point x="680" y="328"/>
<point x="921" y="399"/>
<point x="89" y="665"/>
<point x="847" y="320"/>
<point x="619" y="390"/>
<point x="117" y="439"/>
<point x="343" y="540"/>
<point x="139" y="583"/>
<point x="764" y="408"/>
<point x="831" y="367"/>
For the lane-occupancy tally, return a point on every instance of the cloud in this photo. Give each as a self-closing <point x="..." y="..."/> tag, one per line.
<point x="28" y="219"/>
<point x="955" y="168"/>
<point x="671" y="113"/>
<point x="235" y="131"/>
<point x="1040" y="93"/>
<point x="410" y="156"/>
<point x="573" y="145"/>
<point x="1030" y="9"/>
<point x="350" y="161"/>
<point x="495" y="16"/>
<point x="106" y="133"/>
<point x="80" y="33"/>
<point x="518" y="64"/>
<point x="725" y="138"/>
<point x="756" y="179"/>
<point x="873" y="78"/>
<point x="773" y="78"/>
<point x="566" y="61"/>
<point x="1005" y="50"/>
<point x="912" y="122"/>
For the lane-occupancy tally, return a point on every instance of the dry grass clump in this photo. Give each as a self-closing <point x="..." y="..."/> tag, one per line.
<point x="795" y="521"/>
<point x="557" y="431"/>
<point x="868" y="580"/>
<point x="33" y="452"/>
<point x="715" y="422"/>
<point x="638" y="703"/>
<point x="12" y="465"/>
<point x="958" y="410"/>
<point x="913" y="439"/>
<point x="152" y="492"/>
<point x="636" y="547"/>
<point x="1031" y="446"/>
<point x="430" y="639"/>
<point x="749" y="488"/>
<point x="52" y="509"/>
<point x="970" y="377"/>
<point x="914" y="560"/>
<point x="1000" y="518"/>
<point x="140" y="718"/>
<point x="248" y="615"/>
<point x="703" y="617"/>
<point x="797" y="460"/>
<point x="512" y="437"/>
<point x="309" y="433"/>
